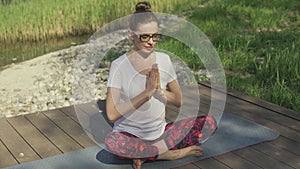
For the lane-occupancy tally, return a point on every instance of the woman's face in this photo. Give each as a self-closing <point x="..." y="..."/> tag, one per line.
<point x="145" y="37"/>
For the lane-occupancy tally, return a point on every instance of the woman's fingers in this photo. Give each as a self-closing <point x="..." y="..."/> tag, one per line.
<point x="155" y="71"/>
<point x="153" y="79"/>
<point x="152" y="76"/>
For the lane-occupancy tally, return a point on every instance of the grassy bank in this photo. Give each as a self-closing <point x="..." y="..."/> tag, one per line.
<point x="258" y="43"/>
<point x="40" y="20"/>
<point x="30" y="28"/>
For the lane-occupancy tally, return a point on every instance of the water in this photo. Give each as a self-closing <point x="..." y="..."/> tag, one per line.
<point x="19" y="52"/>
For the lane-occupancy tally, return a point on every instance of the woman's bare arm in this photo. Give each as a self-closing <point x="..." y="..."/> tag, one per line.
<point x="116" y="110"/>
<point x="174" y="95"/>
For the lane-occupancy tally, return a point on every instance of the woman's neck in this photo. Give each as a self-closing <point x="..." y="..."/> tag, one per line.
<point x="141" y="63"/>
<point x="142" y="54"/>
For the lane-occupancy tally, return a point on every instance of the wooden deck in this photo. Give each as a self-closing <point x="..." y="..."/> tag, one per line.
<point x="36" y="136"/>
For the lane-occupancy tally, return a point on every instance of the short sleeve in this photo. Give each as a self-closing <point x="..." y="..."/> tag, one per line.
<point x="171" y="71"/>
<point x="166" y="69"/>
<point x="115" y="77"/>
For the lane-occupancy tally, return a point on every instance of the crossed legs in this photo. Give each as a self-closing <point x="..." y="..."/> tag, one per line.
<point x="178" y="141"/>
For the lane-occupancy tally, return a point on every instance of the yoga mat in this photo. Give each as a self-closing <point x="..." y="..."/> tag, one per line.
<point x="233" y="133"/>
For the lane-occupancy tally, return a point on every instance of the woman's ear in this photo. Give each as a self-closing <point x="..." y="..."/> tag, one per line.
<point x="130" y="34"/>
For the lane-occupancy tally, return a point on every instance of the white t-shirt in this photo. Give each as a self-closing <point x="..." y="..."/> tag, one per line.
<point x="148" y="121"/>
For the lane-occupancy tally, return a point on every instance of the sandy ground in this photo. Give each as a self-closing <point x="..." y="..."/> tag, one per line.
<point x="21" y="76"/>
<point x="20" y="80"/>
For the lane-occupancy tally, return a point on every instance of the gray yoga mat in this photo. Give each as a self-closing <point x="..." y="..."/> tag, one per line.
<point x="233" y="133"/>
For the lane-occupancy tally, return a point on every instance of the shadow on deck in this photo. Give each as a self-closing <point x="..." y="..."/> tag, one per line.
<point x="39" y="135"/>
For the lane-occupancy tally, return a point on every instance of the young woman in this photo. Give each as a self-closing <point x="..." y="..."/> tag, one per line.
<point x="140" y="84"/>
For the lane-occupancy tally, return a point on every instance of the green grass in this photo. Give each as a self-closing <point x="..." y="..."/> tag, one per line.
<point x="36" y="20"/>
<point x="29" y="28"/>
<point x="258" y="43"/>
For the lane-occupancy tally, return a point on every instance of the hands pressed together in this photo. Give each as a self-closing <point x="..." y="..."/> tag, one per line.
<point x="153" y="84"/>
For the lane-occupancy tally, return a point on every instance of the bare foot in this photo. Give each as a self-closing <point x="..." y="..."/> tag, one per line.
<point x="181" y="153"/>
<point x="137" y="163"/>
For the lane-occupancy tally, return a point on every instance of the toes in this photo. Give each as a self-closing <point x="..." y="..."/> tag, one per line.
<point x="198" y="148"/>
<point x="137" y="163"/>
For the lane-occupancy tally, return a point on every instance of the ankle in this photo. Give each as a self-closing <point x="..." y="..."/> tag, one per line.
<point x="169" y="155"/>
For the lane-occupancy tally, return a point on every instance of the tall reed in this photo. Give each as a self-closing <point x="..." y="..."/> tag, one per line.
<point x="36" y="20"/>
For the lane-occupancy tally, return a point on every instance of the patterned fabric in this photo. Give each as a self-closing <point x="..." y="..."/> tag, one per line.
<point x="177" y="135"/>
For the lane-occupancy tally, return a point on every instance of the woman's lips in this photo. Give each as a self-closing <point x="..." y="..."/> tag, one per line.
<point x="149" y="47"/>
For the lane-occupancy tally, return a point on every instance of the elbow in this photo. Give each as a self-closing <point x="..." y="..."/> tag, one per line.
<point x="111" y="120"/>
<point x="179" y="104"/>
<point x="110" y="116"/>
<point x="179" y="101"/>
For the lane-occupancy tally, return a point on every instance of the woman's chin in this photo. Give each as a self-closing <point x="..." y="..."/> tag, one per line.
<point x="146" y="51"/>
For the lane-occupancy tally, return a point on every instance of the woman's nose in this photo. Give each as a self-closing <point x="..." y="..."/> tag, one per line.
<point x="150" y="41"/>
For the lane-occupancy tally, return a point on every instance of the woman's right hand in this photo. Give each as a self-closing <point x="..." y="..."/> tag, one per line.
<point x="152" y="79"/>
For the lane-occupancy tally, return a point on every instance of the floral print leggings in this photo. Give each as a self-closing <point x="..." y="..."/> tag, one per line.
<point x="177" y="135"/>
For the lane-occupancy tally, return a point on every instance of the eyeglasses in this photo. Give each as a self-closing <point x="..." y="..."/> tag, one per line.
<point x="146" y="37"/>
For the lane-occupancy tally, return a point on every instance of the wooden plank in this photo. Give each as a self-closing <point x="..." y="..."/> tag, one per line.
<point x="92" y="108"/>
<point x="234" y="161"/>
<point x="17" y="146"/>
<point x="190" y="110"/>
<point x="70" y="112"/>
<point x="253" y="115"/>
<point x="63" y="141"/>
<point x="171" y="114"/>
<point x="248" y="111"/>
<point x="284" y="131"/>
<point x="261" y="159"/>
<point x="238" y="109"/>
<point x="186" y="166"/>
<point x="72" y="128"/>
<point x="265" y="112"/>
<point x="262" y="103"/>
<point x="6" y="157"/>
<point x="37" y="141"/>
<point x="211" y="163"/>
<point x="256" y="117"/>
<point x="258" y="102"/>
<point x="279" y="154"/>
<point x="94" y="120"/>
<point x="205" y="92"/>
<point x="237" y="159"/>
<point x="287" y="144"/>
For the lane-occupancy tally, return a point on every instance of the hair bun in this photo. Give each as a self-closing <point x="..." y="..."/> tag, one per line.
<point x="143" y="7"/>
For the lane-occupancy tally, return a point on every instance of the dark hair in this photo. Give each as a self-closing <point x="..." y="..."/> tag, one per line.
<point x="142" y="14"/>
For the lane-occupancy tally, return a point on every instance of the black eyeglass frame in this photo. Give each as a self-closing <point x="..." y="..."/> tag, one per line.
<point x="149" y="37"/>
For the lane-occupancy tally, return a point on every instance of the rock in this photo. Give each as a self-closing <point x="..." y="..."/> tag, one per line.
<point x="76" y="75"/>
<point x="21" y="154"/>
